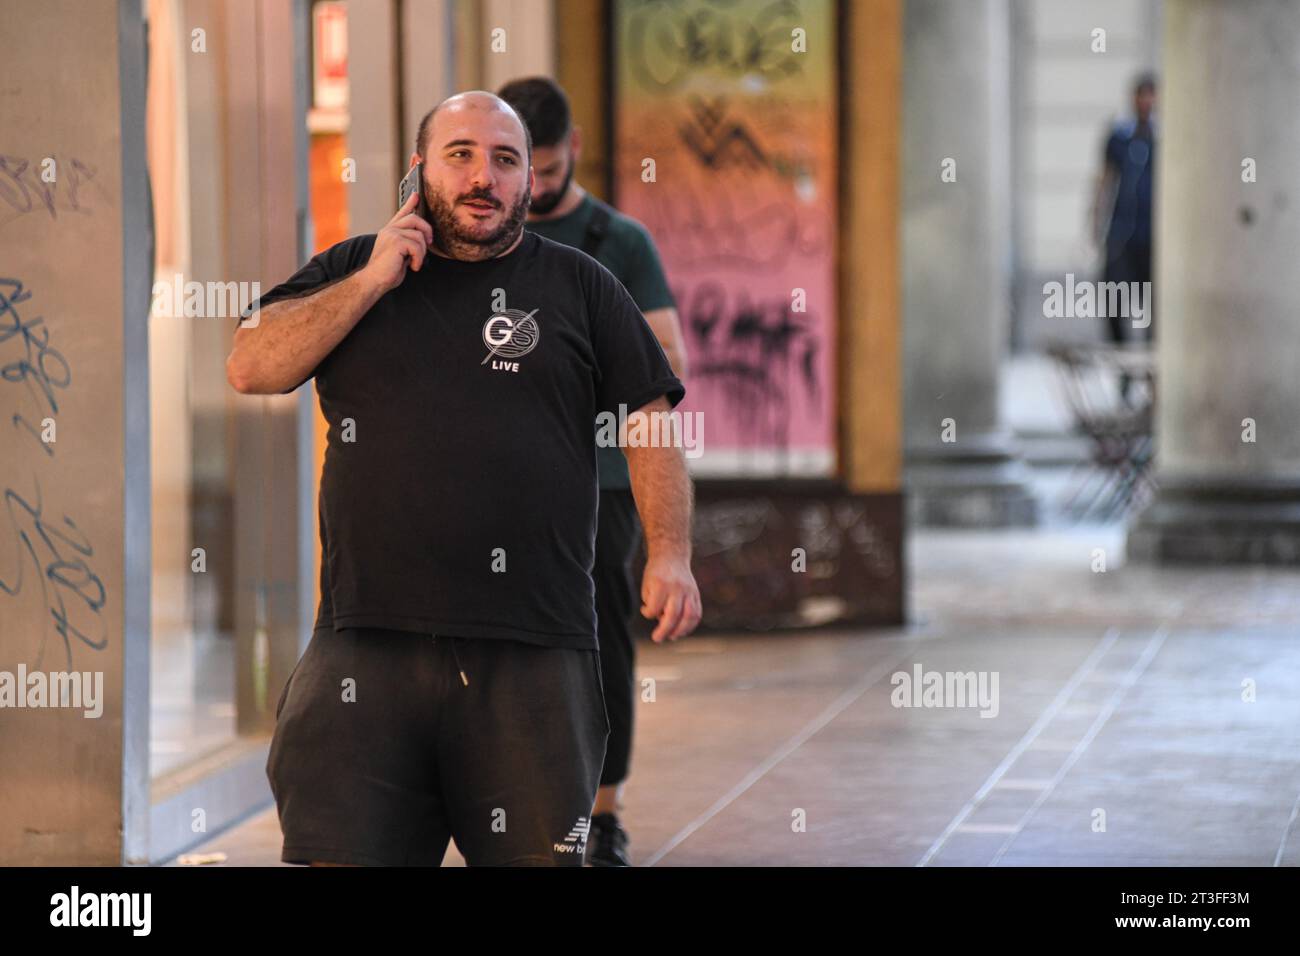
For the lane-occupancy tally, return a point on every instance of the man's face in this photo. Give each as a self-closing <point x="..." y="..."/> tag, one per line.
<point x="1143" y="102"/>
<point x="553" y="171"/>
<point x="477" y="181"/>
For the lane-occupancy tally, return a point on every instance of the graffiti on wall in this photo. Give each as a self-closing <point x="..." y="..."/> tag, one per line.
<point x="725" y="133"/>
<point x="41" y="550"/>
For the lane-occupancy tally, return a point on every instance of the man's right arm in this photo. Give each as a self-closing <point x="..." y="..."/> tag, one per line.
<point x="1103" y="197"/>
<point x="293" y="336"/>
<point x="289" y="338"/>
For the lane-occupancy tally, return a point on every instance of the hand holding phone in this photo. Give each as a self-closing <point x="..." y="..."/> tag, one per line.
<point x="403" y="241"/>
<point x="411" y="183"/>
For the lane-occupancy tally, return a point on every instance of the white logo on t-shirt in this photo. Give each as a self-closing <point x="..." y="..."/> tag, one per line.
<point x="508" y="335"/>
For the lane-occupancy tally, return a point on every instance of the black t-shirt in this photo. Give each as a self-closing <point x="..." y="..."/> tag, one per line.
<point x="459" y="488"/>
<point x="629" y="253"/>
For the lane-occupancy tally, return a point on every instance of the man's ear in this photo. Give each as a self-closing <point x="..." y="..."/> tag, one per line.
<point x="575" y="143"/>
<point x="415" y="160"/>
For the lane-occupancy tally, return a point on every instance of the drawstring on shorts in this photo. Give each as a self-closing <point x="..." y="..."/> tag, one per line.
<point x="456" y="657"/>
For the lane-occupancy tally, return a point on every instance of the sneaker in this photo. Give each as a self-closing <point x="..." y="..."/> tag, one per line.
<point x="607" y="842"/>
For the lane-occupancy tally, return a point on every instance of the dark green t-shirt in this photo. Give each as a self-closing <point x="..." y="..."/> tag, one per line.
<point x="629" y="253"/>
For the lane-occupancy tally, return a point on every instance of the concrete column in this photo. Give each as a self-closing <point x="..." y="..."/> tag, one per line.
<point x="870" y="373"/>
<point x="401" y="64"/>
<point x="75" y="555"/>
<point x="375" y="113"/>
<point x="205" y="255"/>
<point x="428" y="64"/>
<point x="265" y="200"/>
<point x="1227" y="288"/>
<point x="169" y="336"/>
<point x="960" y="468"/>
<point x="529" y="40"/>
<point x="588" y="80"/>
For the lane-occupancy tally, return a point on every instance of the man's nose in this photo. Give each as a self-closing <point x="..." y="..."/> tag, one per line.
<point x="481" y="175"/>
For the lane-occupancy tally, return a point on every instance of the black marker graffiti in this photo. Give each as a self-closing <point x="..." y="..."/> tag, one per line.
<point x="755" y="353"/>
<point x="59" y="555"/>
<point x="722" y="231"/>
<point x="718" y="142"/>
<point x="23" y="189"/>
<point x="41" y="368"/>
<point x="666" y="44"/>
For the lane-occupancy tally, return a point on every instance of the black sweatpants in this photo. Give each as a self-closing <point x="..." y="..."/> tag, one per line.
<point x="618" y="532"/>
<point x="383" y="752"/>
<point x="1129" y="263"/>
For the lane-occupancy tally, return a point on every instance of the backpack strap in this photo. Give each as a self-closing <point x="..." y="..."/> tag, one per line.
<point x="596" y="230"/>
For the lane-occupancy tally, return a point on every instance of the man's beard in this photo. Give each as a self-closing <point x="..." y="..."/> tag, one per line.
<point x="455" y="241"/>
<point x="545" y="204"/>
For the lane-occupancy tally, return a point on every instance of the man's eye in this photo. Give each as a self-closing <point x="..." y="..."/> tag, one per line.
<point x="508" y="159"/>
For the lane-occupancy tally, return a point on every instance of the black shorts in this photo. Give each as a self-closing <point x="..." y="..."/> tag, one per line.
<point x="382" y="752"/>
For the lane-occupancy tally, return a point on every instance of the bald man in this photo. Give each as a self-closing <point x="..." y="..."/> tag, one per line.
<point x="452" y="685"/>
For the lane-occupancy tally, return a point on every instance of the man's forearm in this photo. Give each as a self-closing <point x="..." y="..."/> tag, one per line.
<point x="676" y="358"/>
<point x="663" y="494"/>
<point x="293" y="336"/>
<point x="1104" y="191"/>
<point x="662" y="490"/>
<point x="667" y="327"/>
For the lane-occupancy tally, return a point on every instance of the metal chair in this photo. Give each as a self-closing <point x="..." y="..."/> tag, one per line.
<point x="1110" y="392"/>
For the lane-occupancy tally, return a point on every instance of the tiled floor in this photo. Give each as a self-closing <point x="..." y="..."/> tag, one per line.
<point x="1143" y="716"/>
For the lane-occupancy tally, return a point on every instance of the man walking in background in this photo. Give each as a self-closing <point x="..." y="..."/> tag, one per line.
<point x="1122" y="207"/>
<point x="564" y="212"/>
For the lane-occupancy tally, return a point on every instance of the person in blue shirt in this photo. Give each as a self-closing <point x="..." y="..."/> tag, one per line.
<point x="1123" y="202"/>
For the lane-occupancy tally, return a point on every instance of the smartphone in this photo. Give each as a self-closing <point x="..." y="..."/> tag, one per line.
<point x="411" y="182"/>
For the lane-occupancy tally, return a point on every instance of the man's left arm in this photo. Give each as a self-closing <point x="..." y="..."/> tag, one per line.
<point x="648" y="287"/>
<point x="662" y="491"/>
<point x="667" y="327"/>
